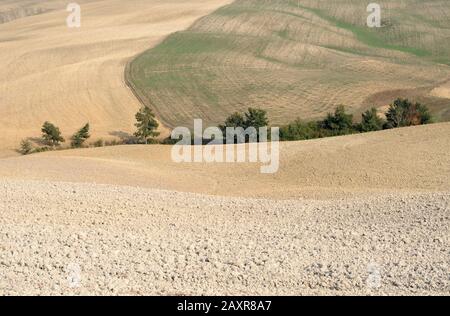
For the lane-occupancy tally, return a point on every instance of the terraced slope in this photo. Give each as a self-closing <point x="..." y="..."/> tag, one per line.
<point x="298" y="59"/>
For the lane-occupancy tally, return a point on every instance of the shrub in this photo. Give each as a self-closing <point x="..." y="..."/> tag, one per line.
<point x="80" y="137"/>
<point x="169" y="141"/>
<point x="51" y="134"/>
<point x="300" y="130"/>
<point x="26" y="147"/>
<point x="113" y="142"/>
<point x="41" y="149"/>
<point x="425" y="115"/>
<point x="98" y="143"/>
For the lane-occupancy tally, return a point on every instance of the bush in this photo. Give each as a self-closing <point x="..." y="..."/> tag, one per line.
<point x="26" y="147"/>
<point x="98" y="143"/>
<point x="113" y="142"/>
<point x="300" y="130"/>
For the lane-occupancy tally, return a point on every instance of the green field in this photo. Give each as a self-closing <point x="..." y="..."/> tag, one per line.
<point x="296" y="59"/>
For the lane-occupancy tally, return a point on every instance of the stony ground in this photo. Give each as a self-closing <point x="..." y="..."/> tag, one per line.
<point x="62" y="238"/>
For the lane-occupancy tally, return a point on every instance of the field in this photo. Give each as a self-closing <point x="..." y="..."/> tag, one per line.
<point x="364" y="214"/>
<point x="297" y="59"/>
<point x="338" y="210"/>
<point x="72" y="76"/>
<point x="403" y="160"/>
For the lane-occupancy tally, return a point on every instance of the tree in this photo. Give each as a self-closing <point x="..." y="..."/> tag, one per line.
<point x="235" y="120"/>
<point x="51" y="134"/>
<point x="25" y="147"/>
<point x="371" y="121"/>
<point x="256" y="118"/>
<point x="80" y="137"/>
<point x="404" y="113"/>
<point x="253" y="118"/>
<point x="338" y="123"/>
<point x="425" y="115"/>
<point x="146" y="125"/>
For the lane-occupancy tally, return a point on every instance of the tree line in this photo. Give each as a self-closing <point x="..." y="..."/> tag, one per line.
<point x="401" y="113"/>
<point x="146" y="131"/>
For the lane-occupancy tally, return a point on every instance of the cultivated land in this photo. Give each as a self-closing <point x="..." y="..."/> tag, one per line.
<point x="359" y="214"/>
<point x="379" y="222"/>
<point x="72" y="76"/>
<point x="408" y="159"/>
<point x="298" y="58"/>
<point x="65" y="238"/>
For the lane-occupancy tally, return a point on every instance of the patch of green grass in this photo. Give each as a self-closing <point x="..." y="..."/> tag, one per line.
<point x="234" y="10"/>
<point x="192" y="43"/>
<point x="366" y="35"/>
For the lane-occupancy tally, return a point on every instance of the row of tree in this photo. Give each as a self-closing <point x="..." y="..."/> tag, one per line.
<point x="52" y="138"/>
<point x="401" y="113"/>
<point x="146" y="131"/>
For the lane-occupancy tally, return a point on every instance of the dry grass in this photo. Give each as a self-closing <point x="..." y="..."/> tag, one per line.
<point x="71" y="76"/>
<point x="295" y="59"/>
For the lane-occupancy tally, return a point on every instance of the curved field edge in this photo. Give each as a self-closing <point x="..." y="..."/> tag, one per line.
<point x="73" y="76"/>
<point x="292" y="60"/>
<point x="401" y="160"/>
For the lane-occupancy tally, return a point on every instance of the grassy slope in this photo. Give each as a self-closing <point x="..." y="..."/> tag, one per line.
<point x="296" y="58"/>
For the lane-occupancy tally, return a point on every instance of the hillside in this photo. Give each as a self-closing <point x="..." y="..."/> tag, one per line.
<point x="402" y="160"/>
<point x="298" y="59"/>
<point x="71" y="76"/>
<point x="361" y="214"/>
<point x="375" y="220"/>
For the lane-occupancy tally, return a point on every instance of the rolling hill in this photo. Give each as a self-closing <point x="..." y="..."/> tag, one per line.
<point x="411" y="159"/>
<point x="71" y="76"/>
<point x="298" y="59"/>
<point x="362" y="214"/>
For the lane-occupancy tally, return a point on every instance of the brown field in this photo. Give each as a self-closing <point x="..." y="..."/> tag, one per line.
<point x="101" y="221"/>
<point x="72" y="76"/>
<point x="364" y="214"/>
<point x="408" y="159"/>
